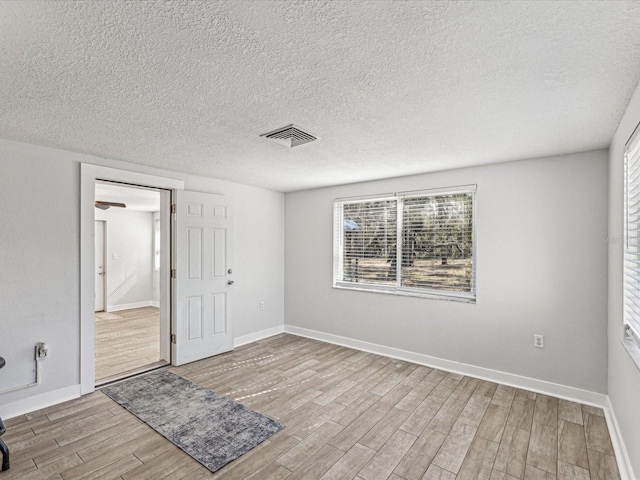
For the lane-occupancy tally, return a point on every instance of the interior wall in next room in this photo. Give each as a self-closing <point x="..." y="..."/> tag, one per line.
<point x="128" y="258"/>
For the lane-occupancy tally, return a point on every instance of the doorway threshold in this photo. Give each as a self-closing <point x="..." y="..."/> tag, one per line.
<point x="102" y="382"/>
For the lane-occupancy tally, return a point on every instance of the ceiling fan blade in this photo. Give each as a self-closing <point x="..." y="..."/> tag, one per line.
<point x="106" y="205"/>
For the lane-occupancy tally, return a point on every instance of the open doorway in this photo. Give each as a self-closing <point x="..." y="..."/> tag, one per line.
<point x="131" y="315"/>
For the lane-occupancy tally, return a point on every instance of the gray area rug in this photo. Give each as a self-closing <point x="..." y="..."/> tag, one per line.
<point x="211" y="428"/>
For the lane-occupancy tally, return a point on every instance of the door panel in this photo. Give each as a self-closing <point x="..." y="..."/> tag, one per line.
<point x="204" y="237"/>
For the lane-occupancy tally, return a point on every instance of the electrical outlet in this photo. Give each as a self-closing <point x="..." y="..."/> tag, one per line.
<point x="42" y="350"/>
<point x="261" y="305"/>
<point x="538" y="341"/>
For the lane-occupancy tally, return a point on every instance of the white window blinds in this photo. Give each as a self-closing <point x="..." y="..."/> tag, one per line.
<point x="415" y="243"/>
<point x="631" y="233"/>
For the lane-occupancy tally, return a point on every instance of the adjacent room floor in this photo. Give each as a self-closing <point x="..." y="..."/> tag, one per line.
<point x="127" y="342"/>
<point x="348" y="415"/>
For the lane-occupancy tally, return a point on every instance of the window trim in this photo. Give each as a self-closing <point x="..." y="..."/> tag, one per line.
<point x="338" y="221"/>
<point x="157" y="243"/>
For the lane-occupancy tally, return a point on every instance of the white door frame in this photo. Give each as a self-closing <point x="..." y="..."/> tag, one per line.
<point x="88" y="176"/>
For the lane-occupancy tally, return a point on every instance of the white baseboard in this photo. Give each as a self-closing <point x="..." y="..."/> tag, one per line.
<point x="526" y="383"/>
<point x="254" y="337"/>
<point x="129" y="306"/>
<point x="153" y="303"/>
<point x="36" y="402"/>
<point x="622" y="456"/>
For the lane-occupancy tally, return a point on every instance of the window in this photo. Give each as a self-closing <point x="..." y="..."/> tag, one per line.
<point x="632" y="239"/>
<point x="156" y="242"/>
<point x="413" y="243"/>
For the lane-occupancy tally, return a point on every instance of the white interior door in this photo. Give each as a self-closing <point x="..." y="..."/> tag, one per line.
<point x="99" y="265"/>
<point x="203" y="277"/>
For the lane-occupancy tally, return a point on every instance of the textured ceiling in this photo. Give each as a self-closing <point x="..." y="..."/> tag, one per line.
<point x="392" y="88"/>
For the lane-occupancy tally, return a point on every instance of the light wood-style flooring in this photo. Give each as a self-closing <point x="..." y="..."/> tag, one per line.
<point x="348" y="415"/>
<point x="127" y="342"/>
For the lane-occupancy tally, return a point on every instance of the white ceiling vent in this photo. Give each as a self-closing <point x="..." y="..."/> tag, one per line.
<point x="290" y="136"/>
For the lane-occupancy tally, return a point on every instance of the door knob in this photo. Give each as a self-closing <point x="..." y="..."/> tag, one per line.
<point x="230" y="282"/>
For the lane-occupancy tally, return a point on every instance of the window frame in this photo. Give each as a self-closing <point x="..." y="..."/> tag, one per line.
<point x="630" y="322"/>
<point x="157" y="243"/>
<point x="398" y="289"/>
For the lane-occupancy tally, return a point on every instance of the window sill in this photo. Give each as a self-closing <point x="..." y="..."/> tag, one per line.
<point x="405" y="293"/>
<point x="632" y="349"/>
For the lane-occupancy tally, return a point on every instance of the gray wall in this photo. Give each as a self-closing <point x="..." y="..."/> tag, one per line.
<point x="130" y="276"/>
<point x="541" y="269"/>
<point x="39" y="269"/>
<point x="624" y="375"/>
<point x="40" y="260"/>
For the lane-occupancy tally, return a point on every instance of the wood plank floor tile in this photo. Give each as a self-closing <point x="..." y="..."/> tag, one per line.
<point x="455" y="447"/>
<point x="447" y="415"/>
<point x="602" y="466"/>
<point x="384" y="429"/>
<point x="543" y="448"/>
<point x="318" y="464"/>
<point x="387" y="457"/>
<point x="492" y="425"/>
<point x="347" y="414"/>
<point x="521" y="414"/>
<point x="546" y="411"/>
<point x="414" y="397"/>
<point x="479" y="460"/>
<point x="312" y="422"/>
<point x="572" y="446"/>
<point x="597" y="433"/>
<point x="503" y="396"/>
<point x="308" y="447"/>
<point x="415" y="377"/>
<point x="533" y="473"/>
<point x="474" y="410"/>
<point x="257" y="458"/>
<point x="357" y="408"/>
<point x="486" y="388"/>
<point x="61" y="464"/>
<point x="415" y="463"/>
<point x="435" y="472"/>
<point x="126" y="340"/>
<point x="570" y="411"/>
<point x="273" y="471"/>
<point x="498" y="475"/>
<point x="526" y="394"/>
<point x="422" y="415"/>
<point x="567" y="471"/>
<point x="512" y="453"/>
<point x="592" y="410"/>
<point x="350" y="463"/>
<point x="346" y="439"/>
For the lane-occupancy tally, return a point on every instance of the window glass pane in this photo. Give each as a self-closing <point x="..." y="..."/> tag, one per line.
<point x="369" y="233"/>
<point x="632" y="232"/>
<point x="437" y="242"/>
<point x="156" y="255"/>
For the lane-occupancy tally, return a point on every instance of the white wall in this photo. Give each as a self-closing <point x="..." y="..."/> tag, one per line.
<point x="130" y="275"/>
<point x="39" y="268"/>
<point x="40" y="261"/>
<point x="541" y="269"/>
<point x="624" y="375"/>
